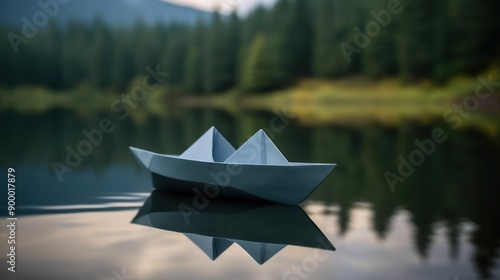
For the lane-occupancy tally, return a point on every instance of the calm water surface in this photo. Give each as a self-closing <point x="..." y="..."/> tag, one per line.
<point x="442" y="222"/>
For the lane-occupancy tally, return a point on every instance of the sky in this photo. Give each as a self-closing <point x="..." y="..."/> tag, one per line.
<point x="226" y="6"/>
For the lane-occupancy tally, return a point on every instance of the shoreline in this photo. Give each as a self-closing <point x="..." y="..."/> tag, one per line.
<point x="314" y="102"/>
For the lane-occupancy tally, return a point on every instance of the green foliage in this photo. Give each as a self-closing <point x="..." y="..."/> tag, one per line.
<point x="193" y="75"/>
<point x="291" y="39"/>
<point x="267" y="49"/>
<point x="258" y="70"/>
<point x="219" y="60"/>
<point x="329" y="28"/>
<point x="174" y="56"/>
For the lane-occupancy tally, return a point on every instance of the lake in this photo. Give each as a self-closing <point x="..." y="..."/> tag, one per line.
<point x="399" y="205"/>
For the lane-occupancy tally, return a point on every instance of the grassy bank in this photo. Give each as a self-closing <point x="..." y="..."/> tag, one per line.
<point x="351" y="102"/>
<point x="359" y="102"/>
<point x="84" y="101"/>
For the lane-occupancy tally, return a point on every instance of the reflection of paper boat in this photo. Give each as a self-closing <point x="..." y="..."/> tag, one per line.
<point x="261" y="229"/>
<point x="257" y="170"/>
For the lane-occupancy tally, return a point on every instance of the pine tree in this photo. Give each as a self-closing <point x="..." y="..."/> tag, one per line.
<point x="323" y="62"/>
<point x="101" y="54"/>
<point x="74" y="55"/>
<point x="174" y="55"/>
<point x="193" y="75"/>
<point x="378" y="59"/>
<point x="234" y="43"/>
<point x="122" y="67"/>
<point x="258" y="71"/>
<point x="217" y="74"/>
<point x="300" y="34"/>
<point x="256" y="22"/>
<point x="475" y="34"/>
<point x="291" y="39"/>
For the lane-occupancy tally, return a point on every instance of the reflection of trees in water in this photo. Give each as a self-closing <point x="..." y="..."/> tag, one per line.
<point x="458" y="181"/>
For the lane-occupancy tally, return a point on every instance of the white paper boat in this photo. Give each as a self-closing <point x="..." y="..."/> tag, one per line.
<point x="261" y="229"/>
<point x="257" y="170"/>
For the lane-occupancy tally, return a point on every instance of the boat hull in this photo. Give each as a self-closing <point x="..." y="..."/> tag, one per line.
<point x="286" y="184"/>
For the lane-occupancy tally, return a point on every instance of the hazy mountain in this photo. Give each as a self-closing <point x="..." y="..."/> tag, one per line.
<point x="113" y="12"/>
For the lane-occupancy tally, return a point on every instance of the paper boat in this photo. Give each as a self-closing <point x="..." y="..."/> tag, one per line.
<point x="261" y="229"/>
<point x="257" y="170"/>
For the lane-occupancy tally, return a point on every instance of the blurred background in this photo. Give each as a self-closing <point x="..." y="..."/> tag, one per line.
<point x="352" y="82"/>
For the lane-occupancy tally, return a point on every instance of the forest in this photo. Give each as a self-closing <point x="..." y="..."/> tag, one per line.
<point x="269" y="49"/>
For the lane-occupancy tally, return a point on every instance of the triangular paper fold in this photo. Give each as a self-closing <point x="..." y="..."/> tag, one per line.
<point x="260" y="252"/>
<point x="211" y="146"/>
<point x="259" y="149"/>
<point x="211" y="246"/>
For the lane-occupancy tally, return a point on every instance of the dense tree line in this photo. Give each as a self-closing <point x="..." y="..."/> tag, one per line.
<point x="268" y="49"/>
